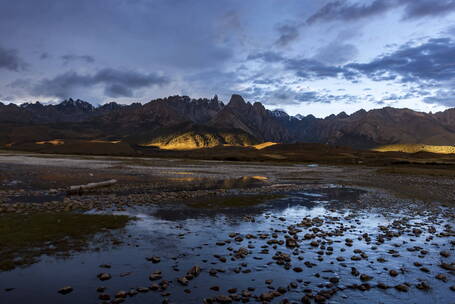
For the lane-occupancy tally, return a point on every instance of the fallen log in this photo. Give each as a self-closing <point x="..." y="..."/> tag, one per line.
<point x="81" y="188"/>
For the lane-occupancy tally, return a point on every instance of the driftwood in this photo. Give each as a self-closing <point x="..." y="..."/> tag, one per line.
<point x="82" y="188"/>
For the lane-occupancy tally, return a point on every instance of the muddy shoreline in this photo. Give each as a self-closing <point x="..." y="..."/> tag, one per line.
<point x="32" y="177"/>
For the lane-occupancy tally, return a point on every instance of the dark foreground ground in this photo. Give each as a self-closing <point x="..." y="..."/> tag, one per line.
<point x="192" y="231"/>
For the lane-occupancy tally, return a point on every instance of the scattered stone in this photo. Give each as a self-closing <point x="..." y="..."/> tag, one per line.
<point x="121" y="294"/>
<point x="393" y="272"/>
<point x="183" y="280"/>
<point x="441" y="277"/>
<point x="154" y="259"/>
<point x="223" y="299"/>
<point x="104" y="276"/>
<point x="65" y="290"/>
<point x="155" y="276"/>
<point x="402" y="287"/>
<point x="445" y="253"/>
<point x="365" y="277"/>
<point x="422" y="286"/>
<point x="424" y="269"/>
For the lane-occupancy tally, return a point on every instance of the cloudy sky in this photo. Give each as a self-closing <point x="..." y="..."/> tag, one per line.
<point x="304" y="56"/>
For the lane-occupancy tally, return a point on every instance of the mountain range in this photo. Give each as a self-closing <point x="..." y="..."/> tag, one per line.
<point x="179" y="122"/>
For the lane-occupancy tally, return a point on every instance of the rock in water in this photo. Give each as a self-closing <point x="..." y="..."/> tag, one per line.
<point x="65" y="290"/>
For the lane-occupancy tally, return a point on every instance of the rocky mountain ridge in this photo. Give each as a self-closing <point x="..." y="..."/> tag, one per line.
<point x="195" y="123"/>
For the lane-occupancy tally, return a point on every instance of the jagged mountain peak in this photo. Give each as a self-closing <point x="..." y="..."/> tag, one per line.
<point x="280" y="113"/>
<point x="31" y="104"/>
<point x="310" y="116"/>
<point x="342" y="115"/>
<point x="361" y="129"/>
<point x="359" y="113"/>
<point x="78" y="103"/>
<point x="236" y="101"/>
<point x="111" y="106"/>
<point x="259" y="106"/>
<point x="303" y="117"/>
<point x="186" y="100"/>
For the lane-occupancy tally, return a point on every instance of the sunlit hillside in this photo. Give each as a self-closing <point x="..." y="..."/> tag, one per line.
<point x="264" y="145"/>
<point x="414" y="148"/>
<point x="198" y="140"/>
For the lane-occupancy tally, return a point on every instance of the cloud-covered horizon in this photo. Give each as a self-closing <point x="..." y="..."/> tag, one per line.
<point x="305" y="56"/>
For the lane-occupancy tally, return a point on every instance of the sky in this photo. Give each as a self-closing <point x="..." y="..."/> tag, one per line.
<point x="304" y="56"/>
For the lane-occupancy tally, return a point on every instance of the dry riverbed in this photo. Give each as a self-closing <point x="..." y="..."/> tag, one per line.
<point x="177" y="231"/>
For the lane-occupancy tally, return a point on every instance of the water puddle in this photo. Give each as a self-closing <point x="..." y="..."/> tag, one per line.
<point x="307" y="243"/>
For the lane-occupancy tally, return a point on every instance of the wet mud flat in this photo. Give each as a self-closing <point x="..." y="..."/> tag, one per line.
<point x="38" y="180"/>
<point x="333" y="244"/>
<point x="26" y="177"/>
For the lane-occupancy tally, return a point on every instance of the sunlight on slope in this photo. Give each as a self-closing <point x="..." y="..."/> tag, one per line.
<point x="414" y="148"/>
<point x="264" y="145"/>
<point x="54" y="142"/>
<point x="191" y="144"/>
<point x="194" y="140"/>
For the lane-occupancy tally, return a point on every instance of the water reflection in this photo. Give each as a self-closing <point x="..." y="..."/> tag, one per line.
<point x="183" y="237"/>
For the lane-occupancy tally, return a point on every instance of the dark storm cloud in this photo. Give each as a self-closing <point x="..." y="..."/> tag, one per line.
<point x="428" y="65"/>
<point x="305" y="68"/>
<point x="344" y="10"/>
<point x="336" y="53"/>
<point x="424" y="8"/>
<point x="44" y="55"/>
<point x="270" y="57"/>
<point x="396" y="97"/>
<point x="282" y="95"/>
<point x="10" y="60"/>
<point x="442" y="97"/>
<point x="118" y="90"/>
<point x="117" y="82"/>
<point x="313" y="69"/>
<point x="310" y="97"/>
<point x="203" y="45"/>
<point x="287" y="34"/>
<point x="220" y="82"/>
<point x="321" y="97"/>
<point x="21" y="83"/>
<point x="69" y="58"/>
<point x="175" y="34"/>
<point x="430" y="61"/>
